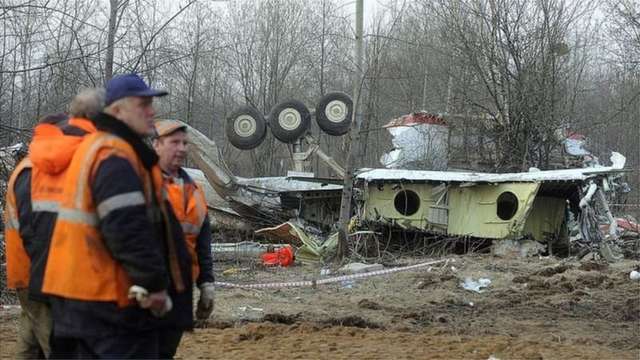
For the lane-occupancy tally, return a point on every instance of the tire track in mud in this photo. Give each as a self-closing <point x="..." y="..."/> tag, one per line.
<point x="566" y="303"/>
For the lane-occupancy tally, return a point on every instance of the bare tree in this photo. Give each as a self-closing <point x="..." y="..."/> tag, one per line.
<point x="517" y="52"/>
<point x="111" y="35"/>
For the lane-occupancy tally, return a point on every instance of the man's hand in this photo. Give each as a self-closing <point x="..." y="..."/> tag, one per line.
<point x="159" y="303"/>
<point x="206" y="302"/>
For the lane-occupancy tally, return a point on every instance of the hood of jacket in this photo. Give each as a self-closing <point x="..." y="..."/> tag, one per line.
<point x="52" y="149"/>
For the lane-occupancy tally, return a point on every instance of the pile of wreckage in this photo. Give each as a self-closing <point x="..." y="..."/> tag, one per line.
<point x="565" y="210"/>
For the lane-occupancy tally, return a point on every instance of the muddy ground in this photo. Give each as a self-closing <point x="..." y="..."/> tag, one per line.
<point x="538" y="308"/>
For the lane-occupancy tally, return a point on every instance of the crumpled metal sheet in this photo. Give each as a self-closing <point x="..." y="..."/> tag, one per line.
<point x="310" y="248"/>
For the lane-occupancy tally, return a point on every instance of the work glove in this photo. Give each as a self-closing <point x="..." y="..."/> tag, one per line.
<point x="159" y="303"/>
<point x="206" y="302"/>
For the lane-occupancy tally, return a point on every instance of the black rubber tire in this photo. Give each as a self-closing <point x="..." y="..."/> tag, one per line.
<point x="298" y="116"/>
<point x="338" y="123"/>
<point x="246" y="128"/>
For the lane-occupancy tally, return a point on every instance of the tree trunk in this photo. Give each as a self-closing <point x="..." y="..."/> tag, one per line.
<point x="113" y="20"/>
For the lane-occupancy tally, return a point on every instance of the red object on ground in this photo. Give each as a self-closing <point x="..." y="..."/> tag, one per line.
<point x="283" y="257"/>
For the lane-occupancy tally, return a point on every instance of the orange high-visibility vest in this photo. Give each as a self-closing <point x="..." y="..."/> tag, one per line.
<point x="48" y="174"/>
<point x="51" y="152"/>
<point x="190" y="207"/>
<point x="79" y="265"/>
<point x="18" y="261"/>
<point x="46" y="190"/>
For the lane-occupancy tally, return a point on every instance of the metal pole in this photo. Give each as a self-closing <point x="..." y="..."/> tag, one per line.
<point x="352" y="139"/>
<point x="298" y="163"/>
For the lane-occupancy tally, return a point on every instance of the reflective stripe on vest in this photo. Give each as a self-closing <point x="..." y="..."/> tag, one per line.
<point x="11" y="221"/>
<point x="89" y="155"/>
<point x="45" y="205"/>
<point x="78" y="217"/>
<point x="120" y="201"/>
<point x="189" y="228"/>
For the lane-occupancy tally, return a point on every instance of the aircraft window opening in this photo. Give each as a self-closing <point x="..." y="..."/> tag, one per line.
<point x="406" y="202"/>
<point x="507" y="205"/>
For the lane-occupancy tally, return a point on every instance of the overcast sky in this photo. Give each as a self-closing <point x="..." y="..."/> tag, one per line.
<point x="371" y="7"/>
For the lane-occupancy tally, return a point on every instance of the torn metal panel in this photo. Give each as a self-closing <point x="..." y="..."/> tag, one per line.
<point x="574" y="145"/>
<point x="310" y="247"/>
<point x="282" y="183"/>
<point x="420" y="141"/>
<point x="287" y="233"/>
<point x="546" y="218"/>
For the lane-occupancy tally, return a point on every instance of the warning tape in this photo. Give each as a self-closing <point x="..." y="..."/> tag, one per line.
<point x="314" y="283"/>
<point x="309" y="283"/>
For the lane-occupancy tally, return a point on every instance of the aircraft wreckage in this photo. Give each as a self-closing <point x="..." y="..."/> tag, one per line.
<point x="545" y="206"/>
<point x="538" y="205"/>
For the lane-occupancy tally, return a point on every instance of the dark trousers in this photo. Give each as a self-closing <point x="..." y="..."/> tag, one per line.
<point x="138" y="345"/>
<point x="169" y="341"/>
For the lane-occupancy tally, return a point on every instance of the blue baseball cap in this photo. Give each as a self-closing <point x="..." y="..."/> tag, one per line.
<point x="123" y="86"/>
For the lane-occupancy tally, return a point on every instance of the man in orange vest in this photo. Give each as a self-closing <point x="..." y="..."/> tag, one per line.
<point x="31" y="211"/>
<point x="113" y="259"/>
<point x="190" y="207"/>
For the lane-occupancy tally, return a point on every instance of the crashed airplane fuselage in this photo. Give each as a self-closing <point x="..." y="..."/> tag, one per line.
<point x="494" y="206"/>
<point x="484" y="205"/>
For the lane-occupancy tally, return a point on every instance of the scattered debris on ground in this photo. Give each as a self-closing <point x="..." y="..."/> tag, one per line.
<point x="534" y="308"/>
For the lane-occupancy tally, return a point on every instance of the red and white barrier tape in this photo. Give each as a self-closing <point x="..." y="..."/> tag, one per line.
<point x="313" y="283"/>
<point x="309" y="283"/>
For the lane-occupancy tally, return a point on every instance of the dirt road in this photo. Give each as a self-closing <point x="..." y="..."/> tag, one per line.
<point x="533" y="309"/>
